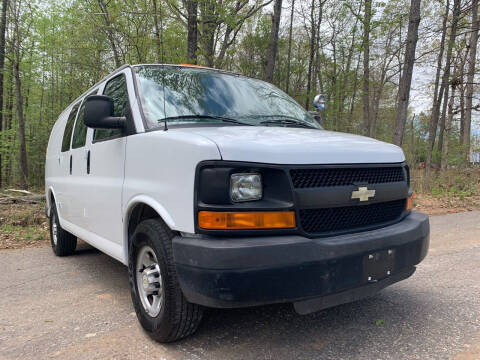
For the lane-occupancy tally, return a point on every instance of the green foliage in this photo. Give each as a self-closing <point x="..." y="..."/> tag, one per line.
<point x="67" y="46"/>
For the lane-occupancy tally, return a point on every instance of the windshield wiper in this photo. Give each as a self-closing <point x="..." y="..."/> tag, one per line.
<point x="194" y="116"/>
<point x="287" y="122"/>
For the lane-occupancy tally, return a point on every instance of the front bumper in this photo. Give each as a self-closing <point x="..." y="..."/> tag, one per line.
<point x="238" y="272"/>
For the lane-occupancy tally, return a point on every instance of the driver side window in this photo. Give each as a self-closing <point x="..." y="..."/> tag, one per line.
<point x="116" y="88"/>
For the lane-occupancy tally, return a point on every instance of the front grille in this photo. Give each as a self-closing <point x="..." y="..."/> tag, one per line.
<point x="350" y="217"/>
<point x="310" y="178"/>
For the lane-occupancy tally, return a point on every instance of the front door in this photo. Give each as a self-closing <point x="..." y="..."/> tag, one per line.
<point x="103" y="211"/>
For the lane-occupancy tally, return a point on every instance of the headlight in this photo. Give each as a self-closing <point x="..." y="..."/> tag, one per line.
<point x="245" y="187"/>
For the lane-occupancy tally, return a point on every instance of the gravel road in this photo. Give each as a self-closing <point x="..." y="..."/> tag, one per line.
<point x="79" y="308"/>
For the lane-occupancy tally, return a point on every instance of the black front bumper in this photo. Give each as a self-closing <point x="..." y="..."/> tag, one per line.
<point x="238" y="272"/>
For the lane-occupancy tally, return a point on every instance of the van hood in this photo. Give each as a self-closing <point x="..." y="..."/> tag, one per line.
<point x="281" y="145"/>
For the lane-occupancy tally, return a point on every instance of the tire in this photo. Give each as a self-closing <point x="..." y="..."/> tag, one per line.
<point x="63" y="243"/>
<point x="167" y="316"/>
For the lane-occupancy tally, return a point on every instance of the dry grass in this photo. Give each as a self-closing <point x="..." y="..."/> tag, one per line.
<point x="23" y="225"/>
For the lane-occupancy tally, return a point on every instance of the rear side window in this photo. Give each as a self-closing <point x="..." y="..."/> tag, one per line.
<point x="80" y="131"/>
<point x="67" y="134"/>
<point x="117" y="90"/>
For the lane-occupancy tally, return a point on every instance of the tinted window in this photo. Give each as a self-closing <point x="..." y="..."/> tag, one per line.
<point x="67" y="134"/>
<point x="117" y="90"/>
<point x="80" y="131"/>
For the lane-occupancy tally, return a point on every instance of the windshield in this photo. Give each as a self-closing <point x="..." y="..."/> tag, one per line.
<point x="195" y="95"/>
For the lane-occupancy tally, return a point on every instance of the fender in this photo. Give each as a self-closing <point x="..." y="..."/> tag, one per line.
<point x="155" y="205"/>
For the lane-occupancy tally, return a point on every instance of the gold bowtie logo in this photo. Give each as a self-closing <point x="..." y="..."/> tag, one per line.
<point x="363" y="194"/>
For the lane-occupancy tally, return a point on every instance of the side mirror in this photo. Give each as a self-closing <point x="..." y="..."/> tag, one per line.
<point x="99" y="111"/>
<point x="316" y="116"/>
<point x="319" y="102"/>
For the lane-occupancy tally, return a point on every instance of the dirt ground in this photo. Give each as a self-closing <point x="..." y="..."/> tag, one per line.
<point x="434" y="205"/>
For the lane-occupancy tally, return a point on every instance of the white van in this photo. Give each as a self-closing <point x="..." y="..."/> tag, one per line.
<point x="219" y="190"/>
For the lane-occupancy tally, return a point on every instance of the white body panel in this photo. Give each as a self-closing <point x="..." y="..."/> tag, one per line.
<point x="157" y="168"/>
<point x="279" y="145"/>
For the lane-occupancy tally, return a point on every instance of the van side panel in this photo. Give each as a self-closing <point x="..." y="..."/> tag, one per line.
<point x="54" y="171"/>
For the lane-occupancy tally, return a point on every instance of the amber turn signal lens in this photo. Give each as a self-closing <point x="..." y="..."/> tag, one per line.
<point x="216" y="220"/>
<point x="410" y="200"/>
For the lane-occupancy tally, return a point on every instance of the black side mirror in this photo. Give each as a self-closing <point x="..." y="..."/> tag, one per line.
<point x="99" y="111"/>
<point x="316" y="116"/>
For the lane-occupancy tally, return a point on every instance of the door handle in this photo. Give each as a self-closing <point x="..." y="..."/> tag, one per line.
<point x="70" y="164"/>
<point x="88" y="161"/>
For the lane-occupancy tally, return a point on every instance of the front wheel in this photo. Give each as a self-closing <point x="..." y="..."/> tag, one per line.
<point x="157" y="298"/>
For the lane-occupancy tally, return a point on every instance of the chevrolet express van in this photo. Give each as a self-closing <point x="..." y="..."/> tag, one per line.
<point x="219" y="190"/>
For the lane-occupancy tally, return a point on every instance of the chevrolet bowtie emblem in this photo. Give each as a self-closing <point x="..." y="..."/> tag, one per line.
<point x="363" y="194"/>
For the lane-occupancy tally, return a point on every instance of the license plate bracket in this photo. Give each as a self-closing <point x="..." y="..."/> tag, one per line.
<point x="378" y="265"/>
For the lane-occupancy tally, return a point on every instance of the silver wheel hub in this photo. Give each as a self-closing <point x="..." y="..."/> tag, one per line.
<point x="149" y="281"/>
<point x="54" y="229"/>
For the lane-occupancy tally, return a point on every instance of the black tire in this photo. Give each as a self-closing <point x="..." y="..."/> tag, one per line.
<point x="66" y="243"/>
<point x="177" y="318"/>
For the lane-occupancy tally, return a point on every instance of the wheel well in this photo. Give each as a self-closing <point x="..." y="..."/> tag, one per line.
<point x="139" y="213"/>
<point x="50" y="201"/>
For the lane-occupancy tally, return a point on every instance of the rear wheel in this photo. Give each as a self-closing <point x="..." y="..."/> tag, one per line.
<point x="63" y="243"/>
<point x="157" y="297"/>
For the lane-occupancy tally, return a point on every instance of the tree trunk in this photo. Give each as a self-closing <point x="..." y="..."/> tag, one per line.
<point x="317" y="75"/>
<point x="3" y="27"/>
<point x="448" y="127"/>
<point x="470" y="76"/>
<point x="109" y="29"/>
<point x="21" y="127"/>
<point x="462" y="109"/>
<point x="7" y="119"/>
<point x="192" y="31"/>
<point x="446" y="72"/>
<point x="406" y="79"/>
<point x="289" y="56"/>
<point x="209" y="24"/>
<point x="273" y="46"/>
<point x="443" y="117"/>
<point x="312" y="53"/>
<point x="366" y="65"/>
<point x="158" y="30"/>
<point x="346" y="75"/>
<point x="354" y="93"/>
<point x="437" y="94"/>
